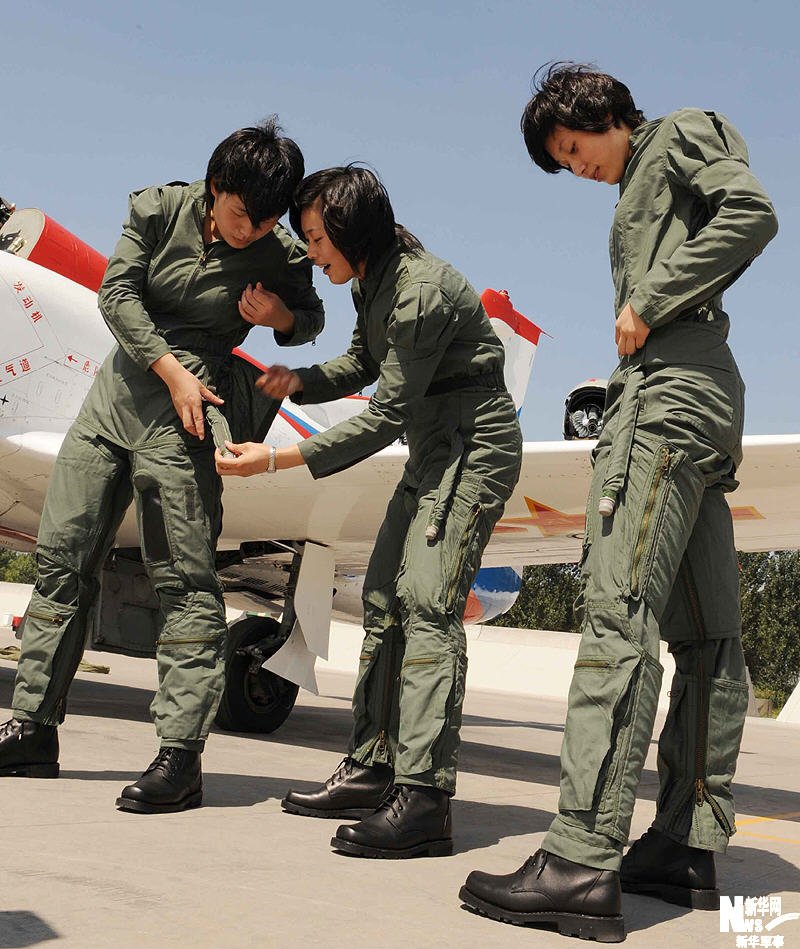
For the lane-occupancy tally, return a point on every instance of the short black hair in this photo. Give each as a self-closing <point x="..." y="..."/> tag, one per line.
<point x="259" y="165"/>
<point x="356" y="212"/>
<point x="578" y="97"/>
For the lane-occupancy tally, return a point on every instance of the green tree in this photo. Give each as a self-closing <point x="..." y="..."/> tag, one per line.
<point x="545" y="600"/>
<point x="770" y="587"/>
<point x="17" y="568"/>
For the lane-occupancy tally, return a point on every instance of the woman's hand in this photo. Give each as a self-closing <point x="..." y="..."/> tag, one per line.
<point x="278" y="382"/>
<point x="263" y="308"/>
<point x="188" y="393"/>
<point x="249" y="458"/>
<point x="252" y="458"/>
<point x="631" y="331"/>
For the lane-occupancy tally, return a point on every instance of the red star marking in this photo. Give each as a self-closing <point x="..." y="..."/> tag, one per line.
<point x="549" y="521"/>
<point x="554" y="523"/>
<point x="746" y="514"/>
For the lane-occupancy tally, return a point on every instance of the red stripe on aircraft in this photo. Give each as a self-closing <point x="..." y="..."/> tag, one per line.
<point x="306" y="433"/>
<point x="498" y="306"/>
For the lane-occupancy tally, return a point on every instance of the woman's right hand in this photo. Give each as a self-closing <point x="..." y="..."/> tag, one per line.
<point x="278" y="382"/>
<point x="187" y="392"/>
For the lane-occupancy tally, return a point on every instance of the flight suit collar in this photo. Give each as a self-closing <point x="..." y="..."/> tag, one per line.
<point x="639" y="138"/>
<point x="369" y="285"/>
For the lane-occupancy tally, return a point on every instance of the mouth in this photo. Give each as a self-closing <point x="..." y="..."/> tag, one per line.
<point x="596" y="175"/>
<point x="325" y="268"/>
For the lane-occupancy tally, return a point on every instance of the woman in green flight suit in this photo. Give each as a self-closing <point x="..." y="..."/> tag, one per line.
<point x="422" y="334"/>
<point x="659" y="560"/>
<point x="197" y="265"/>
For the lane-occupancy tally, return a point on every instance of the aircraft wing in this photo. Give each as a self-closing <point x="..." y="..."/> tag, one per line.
<point x="544" y="520"/>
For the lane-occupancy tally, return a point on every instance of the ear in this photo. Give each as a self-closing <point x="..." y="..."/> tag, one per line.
<point x="213" y="186"/>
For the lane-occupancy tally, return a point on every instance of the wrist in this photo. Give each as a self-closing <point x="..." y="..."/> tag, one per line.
<point x="168" y="369"/>
<point x="283" y="321"/>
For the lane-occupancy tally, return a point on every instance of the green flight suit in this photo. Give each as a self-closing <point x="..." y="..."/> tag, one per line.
<point x="423" y="334"/>
<point x="164" y="291"/>
<point x="690" y="218"/>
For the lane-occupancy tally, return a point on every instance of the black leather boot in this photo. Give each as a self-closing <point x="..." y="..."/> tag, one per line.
<point x="353" y="790"/>
<point x="173" y="782"/>
<point x="579" y="901"/>
<point x="411" y="821"/>
<point x="28" y="750"/>
<point x="657" y="866"/>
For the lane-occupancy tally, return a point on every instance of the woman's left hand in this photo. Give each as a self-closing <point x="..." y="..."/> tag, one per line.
<point x="631" y="331"/>
<point x="264" y="308"/>
<point x="250" y="458"/>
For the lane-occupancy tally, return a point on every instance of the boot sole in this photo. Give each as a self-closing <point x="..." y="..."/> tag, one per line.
<point x="145" y="807"/>
<point x="356" y="813"/>
<point x="599" y="928"/>
<point x="49" y="770"/>
<point x="677" y="895"/>
<point x="431" y="848"/>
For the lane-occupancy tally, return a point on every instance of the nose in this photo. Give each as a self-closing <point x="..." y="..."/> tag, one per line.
<point x="311" y="254"/>
<point x="578" y="168"/>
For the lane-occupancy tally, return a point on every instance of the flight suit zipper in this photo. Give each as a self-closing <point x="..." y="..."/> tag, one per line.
<point x="466" y="541"/>
<point x="701" y="792"/>
<point x="47" y="617"/>
<point x="199" y="267"/>
<point x="387" y="697"/>
<point x="661" y="472"/>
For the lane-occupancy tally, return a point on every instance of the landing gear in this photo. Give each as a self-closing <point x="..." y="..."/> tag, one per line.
<point x="254" y="700"/>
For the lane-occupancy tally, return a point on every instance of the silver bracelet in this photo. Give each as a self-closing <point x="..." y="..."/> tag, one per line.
<point x="273" y="451"/>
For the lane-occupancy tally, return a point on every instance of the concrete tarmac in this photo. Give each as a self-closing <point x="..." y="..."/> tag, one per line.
<point x="239" y="872"/>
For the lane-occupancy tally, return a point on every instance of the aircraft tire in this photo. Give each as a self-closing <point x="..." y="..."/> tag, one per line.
<point x="254" y="700"/>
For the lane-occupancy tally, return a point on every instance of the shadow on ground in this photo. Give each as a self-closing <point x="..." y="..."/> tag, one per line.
<point x="328" y="729"/>
<point x="19" y="928"/>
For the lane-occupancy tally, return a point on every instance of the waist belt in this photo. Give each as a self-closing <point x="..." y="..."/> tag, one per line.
<point x="490" y="381"/>
<point x="199" y="343"/>
<point x="703" y="313"/>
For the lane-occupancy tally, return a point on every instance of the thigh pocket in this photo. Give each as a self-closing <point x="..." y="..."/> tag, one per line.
<point x="671" y="496"/>
<point x="155" y="539"/>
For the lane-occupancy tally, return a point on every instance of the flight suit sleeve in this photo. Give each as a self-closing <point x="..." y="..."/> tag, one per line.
<point x="298" y="293"/>
<point x="339" y="377"/>
<point x="709" y="161"/>
<point x="419" y="330"/>
<point x="120" y="295"/>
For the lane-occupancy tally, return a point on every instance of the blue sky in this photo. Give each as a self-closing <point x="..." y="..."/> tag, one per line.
<point x="101" y="99"/>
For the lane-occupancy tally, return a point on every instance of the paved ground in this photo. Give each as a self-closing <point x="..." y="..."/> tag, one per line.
<point x="238" y="872"/>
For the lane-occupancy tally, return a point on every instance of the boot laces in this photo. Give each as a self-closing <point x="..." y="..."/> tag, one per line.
<point x="8" y="728"/>
<point x="168" y="760"/>
<point x="537" y="862"/>
<point x="343" y="771"/>
<point x="394" y="800"/>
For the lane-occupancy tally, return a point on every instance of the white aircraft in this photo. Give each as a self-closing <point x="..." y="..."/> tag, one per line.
<point x="291" y="549"/>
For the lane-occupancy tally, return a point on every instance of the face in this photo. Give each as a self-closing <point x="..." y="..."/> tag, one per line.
<point x="598" y="156"/>
<point x="230" y="221"/>
<point x="321" y="251"/>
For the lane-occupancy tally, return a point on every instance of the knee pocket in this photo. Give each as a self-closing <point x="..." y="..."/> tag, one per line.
<point x="432" y="688"/>
<point x="191" y="618"/>
<point x="613" y="681"/>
